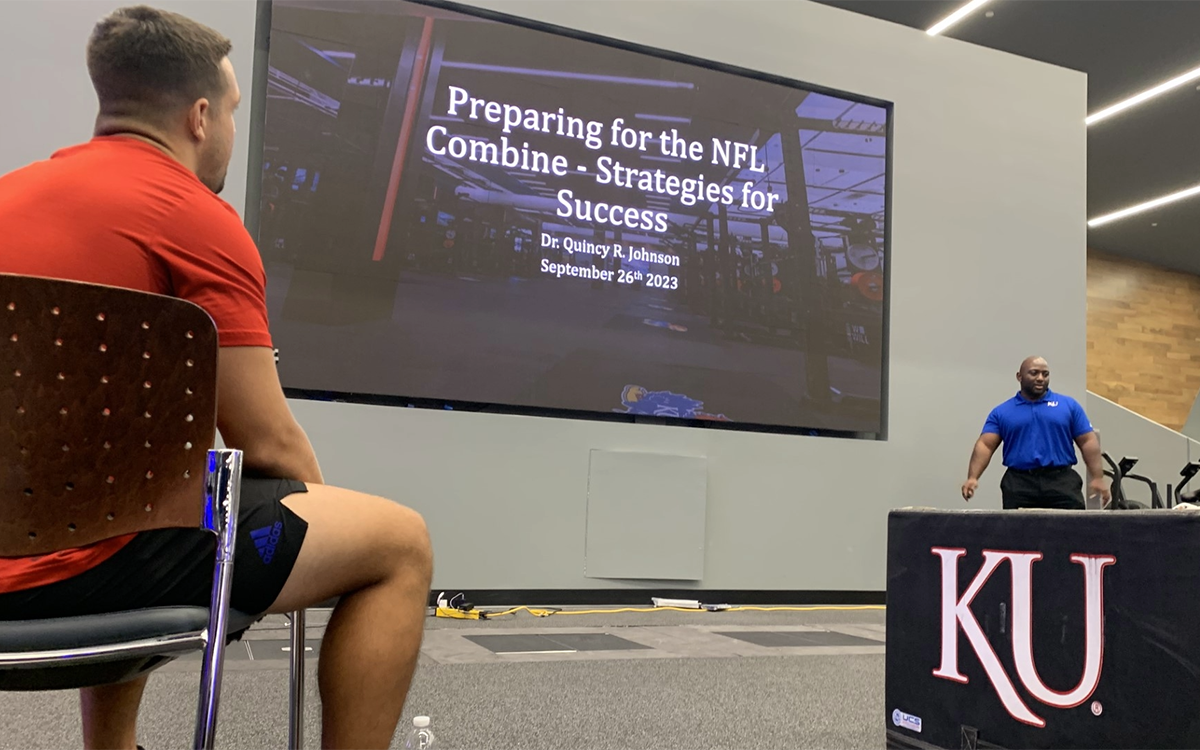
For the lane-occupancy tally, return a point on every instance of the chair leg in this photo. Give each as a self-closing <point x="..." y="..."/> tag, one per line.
<point x="210" y="691"/>
<point x="223" y="495"/>
<point x="296" y="686"/>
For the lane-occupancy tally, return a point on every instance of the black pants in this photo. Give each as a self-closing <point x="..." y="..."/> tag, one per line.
<point x="1051" y="487"/>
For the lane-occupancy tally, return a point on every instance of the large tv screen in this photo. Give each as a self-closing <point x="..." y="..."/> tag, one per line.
<point x="466" y="210"/>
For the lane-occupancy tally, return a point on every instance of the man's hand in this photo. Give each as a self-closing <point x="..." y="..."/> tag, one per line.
<point x="981" y="455"/>
<point x="1089" y="446"/>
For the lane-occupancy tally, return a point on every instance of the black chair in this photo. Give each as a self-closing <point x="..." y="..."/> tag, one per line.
<point x="107" y="407"/>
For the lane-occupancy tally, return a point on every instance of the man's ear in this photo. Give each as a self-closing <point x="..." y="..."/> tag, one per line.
<point x="197" y="119"/>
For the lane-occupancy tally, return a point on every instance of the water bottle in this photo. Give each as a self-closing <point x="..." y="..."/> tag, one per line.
<point x="421" y="736"/>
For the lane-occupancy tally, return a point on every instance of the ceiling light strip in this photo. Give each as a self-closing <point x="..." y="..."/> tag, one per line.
<point x="1177" y="196"/>
<point x="1149" y="93"/>
<point x="955" y="17"/>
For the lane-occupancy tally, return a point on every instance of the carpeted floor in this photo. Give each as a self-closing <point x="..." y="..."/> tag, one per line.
<point x="689" y="687"/>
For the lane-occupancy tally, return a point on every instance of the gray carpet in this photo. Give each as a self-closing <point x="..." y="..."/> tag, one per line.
<point x="675" y="703"/>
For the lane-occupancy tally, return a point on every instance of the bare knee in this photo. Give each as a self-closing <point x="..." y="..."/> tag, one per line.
<point x="405" y="543"/>
<point x="356" y="540"/>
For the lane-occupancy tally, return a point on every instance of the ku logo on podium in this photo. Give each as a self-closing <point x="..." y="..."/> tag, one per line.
<point x="956" y="613"/>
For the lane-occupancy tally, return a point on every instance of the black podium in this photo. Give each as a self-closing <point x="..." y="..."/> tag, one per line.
<point x="1043" y="629"/>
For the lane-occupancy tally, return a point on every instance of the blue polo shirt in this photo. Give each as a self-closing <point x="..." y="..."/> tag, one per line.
<point x="1040" y="433"/>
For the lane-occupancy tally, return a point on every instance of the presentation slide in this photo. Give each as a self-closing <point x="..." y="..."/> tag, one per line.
<point x="466" y="210"/>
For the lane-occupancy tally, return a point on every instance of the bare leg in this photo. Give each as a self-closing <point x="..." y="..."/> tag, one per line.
<point x="376" y="555"/>
<point x="110" y="714"/>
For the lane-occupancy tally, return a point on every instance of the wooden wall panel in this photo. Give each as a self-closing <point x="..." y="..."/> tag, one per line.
<point x="1143" y="330"/>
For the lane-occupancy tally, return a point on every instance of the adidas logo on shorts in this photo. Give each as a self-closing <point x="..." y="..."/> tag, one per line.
<point x="265" y="540"/>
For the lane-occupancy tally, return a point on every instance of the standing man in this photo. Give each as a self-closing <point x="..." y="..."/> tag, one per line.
<point x="1039" y="429"/>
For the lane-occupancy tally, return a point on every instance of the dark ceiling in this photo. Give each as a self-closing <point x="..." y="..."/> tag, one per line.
<point x="1124" y="46"/>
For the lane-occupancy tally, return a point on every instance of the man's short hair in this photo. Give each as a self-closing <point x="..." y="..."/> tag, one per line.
<point x="145" y="62"/>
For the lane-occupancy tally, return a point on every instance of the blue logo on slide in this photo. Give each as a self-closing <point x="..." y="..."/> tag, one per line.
<point x="638" y="400"/>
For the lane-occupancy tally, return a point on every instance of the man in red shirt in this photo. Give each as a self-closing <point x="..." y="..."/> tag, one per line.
<point x="136" y="207"/>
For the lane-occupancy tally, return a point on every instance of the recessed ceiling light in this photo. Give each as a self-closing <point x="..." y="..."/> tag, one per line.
<point x="989" y="14"/>
<point x="955" y="17"/>
<point x="1149" y="93"/>
<point x="1155" y="203"/>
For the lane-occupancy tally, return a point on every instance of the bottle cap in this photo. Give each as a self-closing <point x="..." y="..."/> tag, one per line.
<point x="420" y="722"/>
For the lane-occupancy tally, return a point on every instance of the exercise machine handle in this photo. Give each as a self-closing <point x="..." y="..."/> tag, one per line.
<point x="1186" y="474"/>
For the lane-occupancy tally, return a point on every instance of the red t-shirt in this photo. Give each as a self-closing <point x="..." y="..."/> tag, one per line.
<point x="119" y="211"/>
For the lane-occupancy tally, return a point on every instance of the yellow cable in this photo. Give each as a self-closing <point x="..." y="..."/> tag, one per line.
<point x="822" y="608"/>
<point x="550" y="612"/>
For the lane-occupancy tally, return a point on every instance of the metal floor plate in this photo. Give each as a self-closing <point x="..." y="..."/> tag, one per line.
<point x="551" y="644"/>
<point x="792" y="639"/>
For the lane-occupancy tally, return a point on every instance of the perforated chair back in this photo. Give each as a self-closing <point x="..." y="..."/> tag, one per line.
<point x="107" y="409"/>
<point x="107" y="415"/>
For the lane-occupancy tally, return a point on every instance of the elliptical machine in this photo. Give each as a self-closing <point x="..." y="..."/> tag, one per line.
<point x="1185" y="474"/>
<point x="1156" y="500"/>
<point x="1121" y="470"/>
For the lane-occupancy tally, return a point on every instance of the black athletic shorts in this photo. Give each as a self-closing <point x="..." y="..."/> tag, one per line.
<point x="174" y="567"/>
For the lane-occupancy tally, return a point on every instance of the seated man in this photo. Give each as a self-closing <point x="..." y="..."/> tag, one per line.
<point x="136" y="207"/>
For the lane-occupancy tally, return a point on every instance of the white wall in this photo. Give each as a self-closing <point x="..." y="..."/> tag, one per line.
<point x="1191" y="428"/>
<point x="47" y="97"/>
<point x="988" y="266"/>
